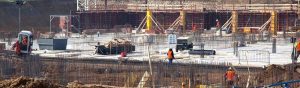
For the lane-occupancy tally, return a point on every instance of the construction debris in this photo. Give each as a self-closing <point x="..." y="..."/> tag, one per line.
<point x="23" y="82"/>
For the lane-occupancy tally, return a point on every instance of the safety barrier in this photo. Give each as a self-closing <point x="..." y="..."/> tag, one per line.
<point x="254" y="56"/>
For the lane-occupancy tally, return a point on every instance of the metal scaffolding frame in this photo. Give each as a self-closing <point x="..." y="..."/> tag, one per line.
<point x="189" y="6"/>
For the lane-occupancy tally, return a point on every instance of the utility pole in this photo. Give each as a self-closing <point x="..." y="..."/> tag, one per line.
<point x="19" y="3"/>
<point x="19" y="25"/>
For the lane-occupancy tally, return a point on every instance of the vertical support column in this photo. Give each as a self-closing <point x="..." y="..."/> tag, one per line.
<point x="19" y="28"/>
<point x="235" y="48"/>
<point x="148" y="20"/>
<point x="77" y="4"/>
<point x="202" y="48"/>
<point x="234" y="22"/>
<point x="86" y="5"/>
<point x="95" y="4"/>
<point x="286" y="21"/>
<point x="298" y="9"/>
<point x="183" y="21"/>
<point x="274" y="45"/>
<point x="50" y="23"/>
<point x="105" y="4"/>
<point x="273" y="24"/>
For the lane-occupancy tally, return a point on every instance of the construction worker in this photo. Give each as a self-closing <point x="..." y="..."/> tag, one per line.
<point x="97" y="49"/>
<point x="17" y="48"/>
<point x="24" y="40"/>
<point x="296" y="50"/>
<point x="24" y="43"/>
<point x="123" y="58"/>
<point x="229" y="76"/>
<point x="123" y="54"/>
<point x="98" y="34"/>
<point x="218" y="23"/>
<point x="194" y="27"/>
<point x="170" y="56"/>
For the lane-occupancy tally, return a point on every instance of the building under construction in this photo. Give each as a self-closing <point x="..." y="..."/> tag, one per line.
<point x="258" y="63"/>
<point x="198" y="15"/>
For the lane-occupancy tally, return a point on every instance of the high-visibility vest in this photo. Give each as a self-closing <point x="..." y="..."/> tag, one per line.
<point x="297" y="46"/>
<point x="230" y="75"/>
<point x="170" y="55"/>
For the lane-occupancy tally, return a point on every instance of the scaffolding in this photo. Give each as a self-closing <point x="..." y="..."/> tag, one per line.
<point x="176" y="6"/>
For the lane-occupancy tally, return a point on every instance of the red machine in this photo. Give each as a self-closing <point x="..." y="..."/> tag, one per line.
<point x="24" y="43"/>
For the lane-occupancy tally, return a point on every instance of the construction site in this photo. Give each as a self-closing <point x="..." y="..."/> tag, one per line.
<point x="149" y="44"/>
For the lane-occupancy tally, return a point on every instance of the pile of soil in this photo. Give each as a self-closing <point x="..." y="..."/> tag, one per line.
<point x="277" y="73"/>
<point x="23" y="82"/>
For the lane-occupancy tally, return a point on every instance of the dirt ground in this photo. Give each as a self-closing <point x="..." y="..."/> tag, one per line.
<point x="23" y="82"/>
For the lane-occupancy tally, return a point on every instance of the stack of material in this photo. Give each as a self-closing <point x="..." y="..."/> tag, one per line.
<point x="118" y="43"/>
<point x="116" y="46"/>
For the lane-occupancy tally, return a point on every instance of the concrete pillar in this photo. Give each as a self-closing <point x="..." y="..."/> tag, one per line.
<point x="234" y="22"/>
<point x="148" y="20"/>
<point x="202" y="48"/>
<point x="274" y="45"/>
<point x="273" y="24"/>
<point x="284" y="32"/>
<point x="235" y="48"/>
<point x="242" y="41"/>
<point x="298" y="10"/>
<point x="183" y="21"/>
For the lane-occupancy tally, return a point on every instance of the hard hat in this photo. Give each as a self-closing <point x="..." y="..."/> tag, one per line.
<point x="229" y="68"/>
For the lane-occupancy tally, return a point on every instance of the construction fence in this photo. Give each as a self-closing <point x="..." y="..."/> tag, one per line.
<point x="130" y="73"/>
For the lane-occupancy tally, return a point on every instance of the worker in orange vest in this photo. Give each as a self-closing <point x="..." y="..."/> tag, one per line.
<point x="170" y="56"/>
<point x="229" y="76"/>
<point x="296" y="50"/>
